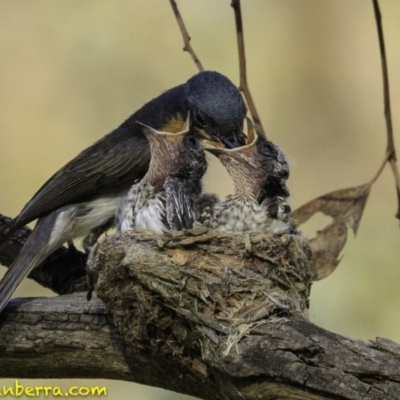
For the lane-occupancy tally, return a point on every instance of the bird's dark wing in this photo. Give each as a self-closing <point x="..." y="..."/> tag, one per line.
<point x="35" y="250"/>
<point x="179" y="205"/>
<point x="110" y="166"/>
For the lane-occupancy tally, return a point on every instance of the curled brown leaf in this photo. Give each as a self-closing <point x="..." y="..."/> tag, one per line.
<point x="346" y="207"/>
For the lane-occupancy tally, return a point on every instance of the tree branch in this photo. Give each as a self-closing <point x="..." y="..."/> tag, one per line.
<point x="185" y="35"/>
<point x="390" y="148"/>
<point x="244" y="87"/>
<point x="289" y="358"/>
<point x="63" y="272"/>
<point x="68" y="337"/>
<point x="204" y="313"/>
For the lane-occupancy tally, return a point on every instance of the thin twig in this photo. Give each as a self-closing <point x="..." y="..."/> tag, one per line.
<point x="390" y="149"/>
<point x="381" y="168"/>
<point x="186" y="38"/>
<point x="244" y="87"/>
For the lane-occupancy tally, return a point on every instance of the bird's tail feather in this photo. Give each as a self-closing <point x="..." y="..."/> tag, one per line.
<point x="35" y="250"/>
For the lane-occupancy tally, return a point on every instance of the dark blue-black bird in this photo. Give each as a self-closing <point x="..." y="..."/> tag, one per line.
<point x="164" y="199"/>
<point x="84" y="194"/>
<point x="259" y="171"/>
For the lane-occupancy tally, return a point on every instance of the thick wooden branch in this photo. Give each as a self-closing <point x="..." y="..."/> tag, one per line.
<point x="212" y="315"/>
<point x="286" y="358"/>
<point x="63" y="272"/>
<point x="69" y="337"/>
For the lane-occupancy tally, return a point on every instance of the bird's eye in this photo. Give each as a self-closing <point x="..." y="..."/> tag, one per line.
<point x="200" y="120"/>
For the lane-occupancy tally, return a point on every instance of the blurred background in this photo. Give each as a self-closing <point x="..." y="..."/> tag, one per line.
<point x="72" y="71"/>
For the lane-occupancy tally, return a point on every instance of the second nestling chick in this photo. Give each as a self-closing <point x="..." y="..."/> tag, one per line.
<point x="164" y="198"/>
<point x="259" y="172"/>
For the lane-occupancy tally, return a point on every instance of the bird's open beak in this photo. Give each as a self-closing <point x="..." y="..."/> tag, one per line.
<point x="233" y="141"/>
<point x="218" y="149"/>
<point x="228" y="141"/>
<point x="167" y="137"/>
<point x="165" y="148"/>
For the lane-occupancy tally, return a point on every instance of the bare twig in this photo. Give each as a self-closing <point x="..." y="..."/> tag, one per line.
<point x="186" y="38"/>
<point x="244" y="87"/>
<point x="390" y="149"/>
<point x="382" y="166"/>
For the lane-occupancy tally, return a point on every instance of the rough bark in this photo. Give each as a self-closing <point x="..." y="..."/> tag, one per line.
<point x="212" y="315"/>
<point x="289" y="358"/>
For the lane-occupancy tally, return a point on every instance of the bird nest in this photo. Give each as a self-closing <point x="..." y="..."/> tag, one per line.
<point x="200" y="289"/>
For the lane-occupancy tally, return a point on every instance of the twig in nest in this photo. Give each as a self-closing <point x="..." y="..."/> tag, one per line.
<point x="390" y="149"/>
<point x="243" y="86"/>
<point x="186" y="38"/>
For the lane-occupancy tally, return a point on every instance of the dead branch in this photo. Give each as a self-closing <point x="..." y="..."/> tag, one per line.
<point x="185" y="35"/>
<point x="63" y="272"/>
<point x="244" y="87"/>
<point x="199" y="331"/>
<point x="390" y="148"/>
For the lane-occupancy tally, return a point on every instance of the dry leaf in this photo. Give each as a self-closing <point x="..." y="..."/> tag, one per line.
<point x="346" y="207"/>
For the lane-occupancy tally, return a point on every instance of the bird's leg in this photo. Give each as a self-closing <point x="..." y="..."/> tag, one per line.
<point x="90" y="283"/>
<point x="91" y="239"/>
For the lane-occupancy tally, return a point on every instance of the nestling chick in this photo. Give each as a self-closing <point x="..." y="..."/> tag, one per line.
<point x="164" y="198"/>
<point x="259" y="172"/>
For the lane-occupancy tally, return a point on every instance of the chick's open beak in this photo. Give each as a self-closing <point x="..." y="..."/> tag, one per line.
<point x="247" y="149"/>
<point x="167" y="137"/>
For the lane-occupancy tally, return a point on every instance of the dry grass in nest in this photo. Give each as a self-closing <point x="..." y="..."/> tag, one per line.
<point x="200" y="291"/>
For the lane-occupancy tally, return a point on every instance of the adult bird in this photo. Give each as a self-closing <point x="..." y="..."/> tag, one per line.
<point x="84" y="194"/>
<point x="259" y="172"/>
<point x="164" y="199"/>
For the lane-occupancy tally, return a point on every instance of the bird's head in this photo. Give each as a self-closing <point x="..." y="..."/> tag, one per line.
<point x="174" y="154"/>
<point x="258" y="169"/>
<point x="217" y="108"/>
